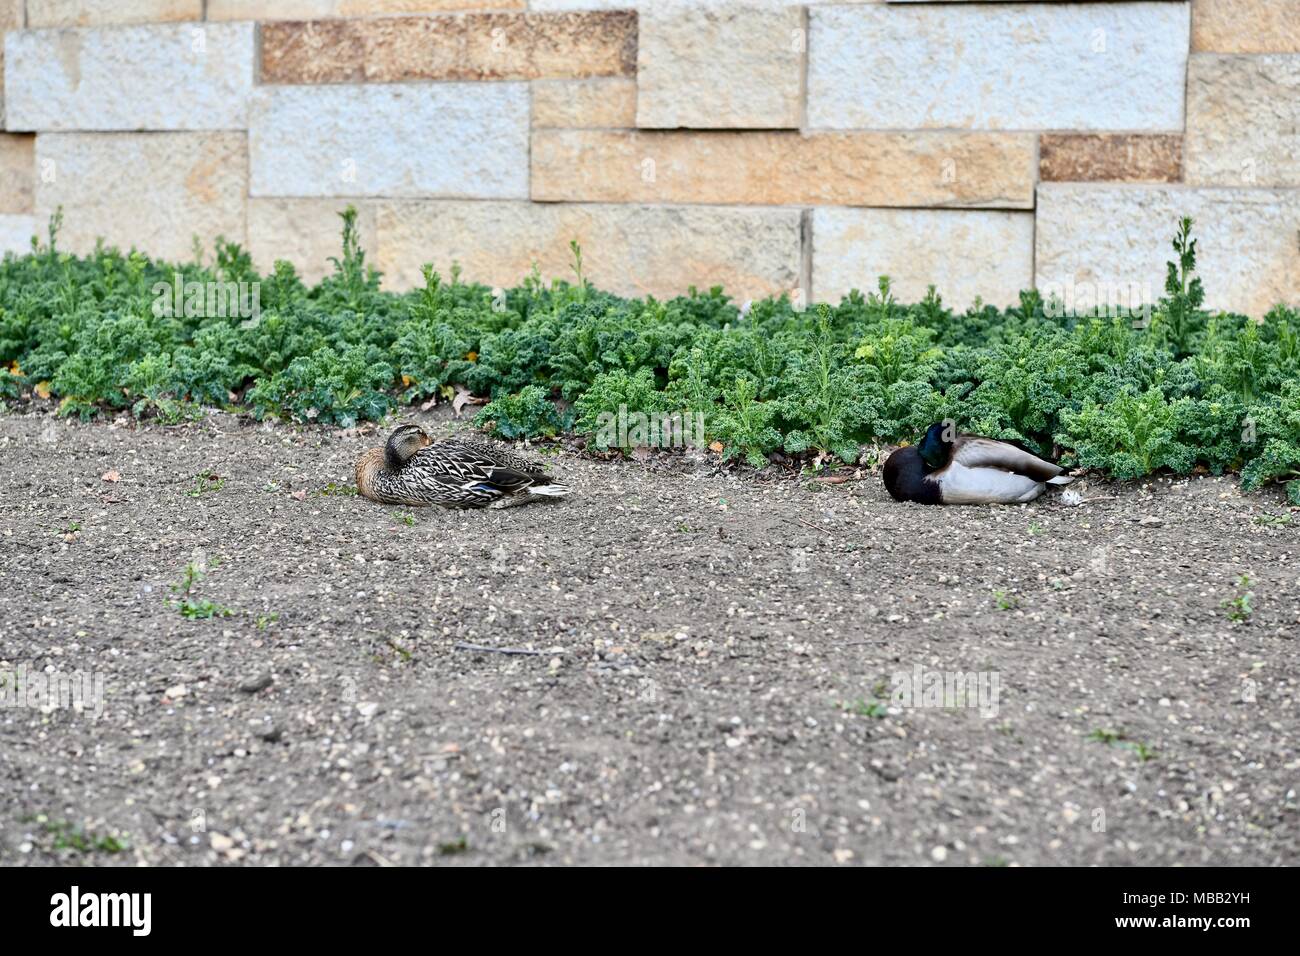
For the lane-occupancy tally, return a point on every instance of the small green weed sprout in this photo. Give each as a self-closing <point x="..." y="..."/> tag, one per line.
<point x="1005" y="601"/>
<point x="1240" y="608"/>
<point x="66" y="835"/>
<point x="187" y="603"/>
<point x="1117" y="738"/>
<point x="206" y="483"/>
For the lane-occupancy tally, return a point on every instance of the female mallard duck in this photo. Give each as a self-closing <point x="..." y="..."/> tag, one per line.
<point x="411" y="469"/>
<point x="967" y="470"/>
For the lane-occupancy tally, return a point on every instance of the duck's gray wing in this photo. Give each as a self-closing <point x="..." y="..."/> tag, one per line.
<point x="959" y="485"/>
<point x="471" y="467"/>
<point x="503" y="457"/>
<point x="976" y="452"/>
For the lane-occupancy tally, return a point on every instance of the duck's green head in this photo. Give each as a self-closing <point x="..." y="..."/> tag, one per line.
<point x="936" y="447"/>
<point x="404" y="442"/>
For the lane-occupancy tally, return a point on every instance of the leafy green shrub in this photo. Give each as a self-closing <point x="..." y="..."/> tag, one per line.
<point x="744" y="425"/>
<point x="615" y="391"/>
<point x="826" y="401"/>
<point x="1129" y="437"/>
<point x="1178" y="317"/>
<point x="328" y="387"/>
<point x="526" y="414"/>
<point x="1274" y="430"/>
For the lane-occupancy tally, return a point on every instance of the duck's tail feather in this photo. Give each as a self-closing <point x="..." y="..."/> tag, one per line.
<point x="532" y="493"/>
<point x="552" y="490"/>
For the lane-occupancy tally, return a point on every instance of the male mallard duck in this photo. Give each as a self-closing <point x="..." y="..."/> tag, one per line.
<point x="411" y="469"/>
<point x="967" y="470"/>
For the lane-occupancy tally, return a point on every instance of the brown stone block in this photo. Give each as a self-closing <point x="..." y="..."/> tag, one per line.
<point x="1110" y="157"/>
<point x="475" y="46"/>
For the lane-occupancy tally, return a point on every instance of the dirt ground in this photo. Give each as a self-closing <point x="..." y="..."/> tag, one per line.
<point x="716" y="677"/>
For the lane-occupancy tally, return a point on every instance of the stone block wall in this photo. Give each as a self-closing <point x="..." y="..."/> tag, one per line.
<point x="769" y="146"/>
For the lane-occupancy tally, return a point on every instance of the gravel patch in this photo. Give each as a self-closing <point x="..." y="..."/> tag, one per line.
<point x="703" y="666"/>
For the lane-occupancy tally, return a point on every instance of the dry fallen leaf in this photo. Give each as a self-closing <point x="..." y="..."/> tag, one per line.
<point x="463" y="398"/>
<point x="298" y="495"/>
<point x="716" y="446"/>
<point x="42" y="389"/>
<point x="111" y="475"/>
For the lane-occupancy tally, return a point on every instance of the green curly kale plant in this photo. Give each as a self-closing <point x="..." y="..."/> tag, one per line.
<point x="1191" y="389"/>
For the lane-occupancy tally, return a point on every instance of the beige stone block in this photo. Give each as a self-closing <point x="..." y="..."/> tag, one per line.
<point x="1027" y="66"/>
<point x="1112" y="238"/>
<point x="151" y="191"/>
<point x="16" y="234"/>
<point x="445" y="140"/>
<point x="730" y="67"/>
<point x="1243" y="120"/>
<point x="11" y="18"/>
<point x="170" y="76"/>
<point x="1245" y="26"/>
<point x="608" y="103"/>
<point x="963" y="253"/>
<point x="92" y="13"/>
<point x="475" y="46"/>
<point x="628" y="249"/>
<point x="17" y="173"/>
<point x="848" y="169"/>
<point x="307" y="233"/>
